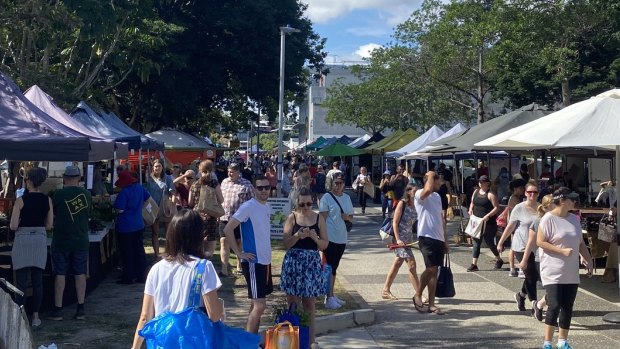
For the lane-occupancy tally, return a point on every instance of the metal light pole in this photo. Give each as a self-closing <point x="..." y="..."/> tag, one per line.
<point x="283" y="32"/>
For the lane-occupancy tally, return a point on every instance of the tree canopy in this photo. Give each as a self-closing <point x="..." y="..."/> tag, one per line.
<point x="449" y="61"/>
<point x="193" y="64"/>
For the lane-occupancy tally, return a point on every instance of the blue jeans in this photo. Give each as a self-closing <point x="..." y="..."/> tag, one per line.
<point x="386" y="204"/>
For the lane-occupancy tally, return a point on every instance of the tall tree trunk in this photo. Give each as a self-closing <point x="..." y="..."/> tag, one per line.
<point x="480" y="89"/>
<point x="565" y="93"/>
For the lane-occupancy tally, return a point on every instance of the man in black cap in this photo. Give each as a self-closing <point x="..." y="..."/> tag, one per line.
<point x="70" y="244"/>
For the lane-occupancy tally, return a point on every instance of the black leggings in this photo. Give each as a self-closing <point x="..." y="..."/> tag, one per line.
<point x="36" y="277"/>
<point x="560" y="300"/>
<point x="333" y="253"/>
<point x="490" y="229"/>
<point x="531" y="276"/>
<point x="361" y="195"/>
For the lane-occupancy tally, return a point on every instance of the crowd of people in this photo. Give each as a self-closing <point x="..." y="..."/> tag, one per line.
<point x="545" y="237"/>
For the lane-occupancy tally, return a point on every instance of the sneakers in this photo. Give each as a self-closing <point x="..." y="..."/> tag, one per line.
<point x="499" y="264"/>
<point x="520" y="301"/>
<point x="36" y="323"/>
<point x="521" y="274"/>
<point x="79" y="313"/>
<point x="537" y="312"/>
<point x="472" y="267"/>
<point x="513" y="273"/>
<point x="565" y="346"/>
<point x="56" y="314"/>
<point x="340" y="301"/>
<point x="332" y="303"/>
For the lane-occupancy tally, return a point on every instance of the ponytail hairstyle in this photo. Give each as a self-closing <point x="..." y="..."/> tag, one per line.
<point x="545" y="205"/>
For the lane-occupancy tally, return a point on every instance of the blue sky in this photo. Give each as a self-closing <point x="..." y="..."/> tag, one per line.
<point x="354" y="27"/>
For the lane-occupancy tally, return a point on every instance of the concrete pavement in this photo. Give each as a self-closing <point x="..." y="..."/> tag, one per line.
<point x="482" y="315"/>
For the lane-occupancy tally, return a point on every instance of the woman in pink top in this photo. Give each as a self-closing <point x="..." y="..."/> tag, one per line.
<point x="561" y="243"/>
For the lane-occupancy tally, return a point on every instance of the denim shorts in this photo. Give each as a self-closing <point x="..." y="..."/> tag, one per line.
<point x="64" y="263"/>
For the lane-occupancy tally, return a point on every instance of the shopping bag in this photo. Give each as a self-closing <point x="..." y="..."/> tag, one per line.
<point x="282" y="336"/>
<point x="474" y="227"/>
<point x="445" y="280"/>
<point x="149" y="211"/>
<point x="386" y="232"/>
<point x="295" y="320"/>
<point x="607" y="230"/>
<point x="326" y="274"/>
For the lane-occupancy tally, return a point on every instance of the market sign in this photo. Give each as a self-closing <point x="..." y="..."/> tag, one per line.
<point x="280" y="210"/>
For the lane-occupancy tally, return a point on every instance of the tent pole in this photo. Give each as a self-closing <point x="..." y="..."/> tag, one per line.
<point x="615" y="316"/>
<point x="510" y="165"/>
<point x="476" y="165"/>
<point x="489" y="164"/>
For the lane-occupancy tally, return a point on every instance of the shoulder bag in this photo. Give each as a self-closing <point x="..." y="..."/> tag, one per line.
<point x="502" y="219"/>
<point x="445" y="280"/>
<point x="207" y="202"/>
<point x="386" y="232"/>
<point x="192" y="329"/>
<point x="474" y="227"/>
<point x="347" y="224"/>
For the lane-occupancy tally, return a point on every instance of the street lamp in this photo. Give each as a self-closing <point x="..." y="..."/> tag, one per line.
<point x="283" y="32"/>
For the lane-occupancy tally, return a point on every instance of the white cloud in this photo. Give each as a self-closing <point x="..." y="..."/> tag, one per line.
<point x="364" y="51"/>
<point x="395" y="11"/>
<point x="370" y="31"/>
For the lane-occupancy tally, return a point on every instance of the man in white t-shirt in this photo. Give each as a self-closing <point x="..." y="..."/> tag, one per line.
<point x="432" y="240"/>
<point x="329" y="177"/>
<point x="255" y="253"/>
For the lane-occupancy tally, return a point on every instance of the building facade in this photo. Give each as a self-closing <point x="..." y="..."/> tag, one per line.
<point x="312" y="114"/>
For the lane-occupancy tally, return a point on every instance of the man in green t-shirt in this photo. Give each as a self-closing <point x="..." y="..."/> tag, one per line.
<point x="70" y="245"/>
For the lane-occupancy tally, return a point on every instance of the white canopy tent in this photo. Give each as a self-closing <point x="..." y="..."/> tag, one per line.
<point x="421" y="152"/>
<point x="427" y="137"/>
<point x="593" y="123"/>
<point x="359" y="141"/>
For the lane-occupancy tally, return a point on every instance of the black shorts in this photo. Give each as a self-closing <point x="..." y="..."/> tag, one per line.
<point x="69" y="263"/>
<point x="333" y="254"/>
<point x="258" y="278"/>
<point x="237" y="230"/>
<point x="432" y="250"/>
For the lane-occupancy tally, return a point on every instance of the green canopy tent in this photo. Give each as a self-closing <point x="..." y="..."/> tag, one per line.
<point x="316" y="144"/>
<point x="338" y="149"/>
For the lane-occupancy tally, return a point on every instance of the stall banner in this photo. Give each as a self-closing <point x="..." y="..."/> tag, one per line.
<point x="280" y="209"/>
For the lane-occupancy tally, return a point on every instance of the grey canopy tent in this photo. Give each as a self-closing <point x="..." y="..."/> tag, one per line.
<point x="46" y="103"/>
<point x="465" y="141"/>
<point x="28" y="134"/>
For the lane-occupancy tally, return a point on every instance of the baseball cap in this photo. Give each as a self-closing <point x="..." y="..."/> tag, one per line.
<point x="484" y="178"/>
<point x="71" y="171"/>
<point x="565" y="193"/>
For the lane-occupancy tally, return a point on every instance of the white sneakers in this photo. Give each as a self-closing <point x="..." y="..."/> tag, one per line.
<point x="333" y="302"/>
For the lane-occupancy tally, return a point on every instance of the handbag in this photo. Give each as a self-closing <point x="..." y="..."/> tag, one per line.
<point x="445" y="280"/>
<point x="607" y="229"/>
<point x="207" y="202"/>
<point x="502" y="219"/>
<point x="282" y="336"/>
<point x="347" y="224"/>
<point x="150" y="210"/>
<point x="474" y="227"/>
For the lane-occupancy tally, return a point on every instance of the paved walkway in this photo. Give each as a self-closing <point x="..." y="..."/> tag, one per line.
<point x="482" y="315"/>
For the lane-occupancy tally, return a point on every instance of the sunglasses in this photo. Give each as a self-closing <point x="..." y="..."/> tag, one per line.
<point x="338" y="183"/>
<point x="409" y="189"/>
<point x="263" y="187"/>
<point x="532" y="192"/>
<point x="190" y="178"/>
<point x="304" y="204"/>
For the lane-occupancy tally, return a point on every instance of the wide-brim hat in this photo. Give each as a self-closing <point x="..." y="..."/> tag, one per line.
<point x="125" y="178"/>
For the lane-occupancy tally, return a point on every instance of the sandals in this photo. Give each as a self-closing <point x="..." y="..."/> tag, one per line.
<point x="435" y="311"/>
<point x="388" y="295"/>
<point x="421" y="308"/>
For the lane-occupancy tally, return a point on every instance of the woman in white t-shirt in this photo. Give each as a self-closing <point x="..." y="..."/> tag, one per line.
<point x="523" y="243"/>
<point x="360" y="181"/>
<point x="168" y="283"/>
<point x="561" y="243"/>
